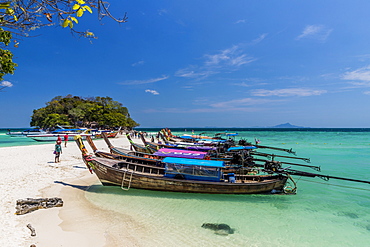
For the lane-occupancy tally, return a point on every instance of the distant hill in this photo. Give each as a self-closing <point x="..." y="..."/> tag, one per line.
<point x="287" y="125"/>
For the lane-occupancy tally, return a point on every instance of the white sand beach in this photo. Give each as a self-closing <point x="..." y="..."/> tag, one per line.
<point x="30" y="172"/>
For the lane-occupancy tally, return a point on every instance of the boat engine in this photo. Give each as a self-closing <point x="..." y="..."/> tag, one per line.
<point x="272" y="166"/>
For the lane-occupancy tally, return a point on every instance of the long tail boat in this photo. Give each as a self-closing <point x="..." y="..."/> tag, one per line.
<point x="240" y="158"/>
<point x="140" y="148"/>
<point x="121" y="151"/>
<point x="180" y="175"/>
<point x="162" y="168"/>
<point x="130" y="156"/>
<point x="184" y="145"/>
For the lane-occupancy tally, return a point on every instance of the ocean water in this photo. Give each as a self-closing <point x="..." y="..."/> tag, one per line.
<point x="7" y="141"/>
<point x="322" y="213"/>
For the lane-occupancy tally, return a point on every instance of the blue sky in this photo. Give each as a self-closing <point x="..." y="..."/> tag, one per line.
<point x="206" y="64"/>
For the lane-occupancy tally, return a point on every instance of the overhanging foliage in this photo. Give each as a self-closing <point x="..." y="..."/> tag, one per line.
<point x="19" y="18"/>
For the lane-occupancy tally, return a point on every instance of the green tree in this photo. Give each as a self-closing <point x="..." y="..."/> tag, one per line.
<point x="82" y="112"/>
<point x="113" y="119"/>
<point x="7" y="66"/>
<point x="55" y="119"/>
<point x="77" y="114"/>
<point x="92" y="111"/>
<point x="38" y="117"/>
<point x="131" y="123"/>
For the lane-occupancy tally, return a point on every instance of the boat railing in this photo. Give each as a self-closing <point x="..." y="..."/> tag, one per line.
<point x="141" y="168"/>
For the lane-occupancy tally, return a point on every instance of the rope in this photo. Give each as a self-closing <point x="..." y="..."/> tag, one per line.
<point x="289" y="189"/>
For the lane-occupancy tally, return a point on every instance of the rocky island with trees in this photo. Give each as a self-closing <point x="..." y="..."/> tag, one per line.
<point x="96" y="112"/>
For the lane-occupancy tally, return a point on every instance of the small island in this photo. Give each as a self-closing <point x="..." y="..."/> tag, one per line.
<point x="286" y="126"/>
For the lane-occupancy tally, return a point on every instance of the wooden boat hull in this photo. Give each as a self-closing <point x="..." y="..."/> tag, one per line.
<point x="115" y="173"/>
<point x="109" y="135"/>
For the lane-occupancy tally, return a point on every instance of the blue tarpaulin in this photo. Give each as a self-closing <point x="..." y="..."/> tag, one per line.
<point x="232" y="134"/>
<point x="241" y="148"/>
<point x="194" y="162"/>
<point x="187" y="137"/>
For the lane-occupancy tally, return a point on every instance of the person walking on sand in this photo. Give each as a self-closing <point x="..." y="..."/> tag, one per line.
<point x="65" y="140"/>
<point x="58" y="151"/>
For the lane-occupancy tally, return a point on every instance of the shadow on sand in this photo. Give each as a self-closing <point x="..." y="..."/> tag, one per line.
<point x="80" y="187"/>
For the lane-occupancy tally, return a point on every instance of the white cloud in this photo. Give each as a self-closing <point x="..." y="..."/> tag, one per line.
<point x="242" y="84"/>
<point x="226" y="60"/>
<point x="287" y="92"/>
<point x="6" y="84"/>
<point x="138" y="63"/>
<point x="229" y="57"/>
<point x="193" y="72"/>
<point x="259" y="39"/>
<point x="240" y="21"/>
<point x="137" y="82"/>
<point x="240" y="103"/>
<point x="202" y="110"/>
<point x="240" y="60"/>
<point x="310" y="30"/>
<point x="151" y="91"/>
<point x="216" y="59"/>
<point x="318" y="32"/>
<point x="226" y="109"/>
<point x="367" y="92"/>
<point x="162" y="11"/>
<point x="361" y="74"/>
<point x="363" y="58"/>
<point x="248" y="82"/>
<point x="293" y="78"/>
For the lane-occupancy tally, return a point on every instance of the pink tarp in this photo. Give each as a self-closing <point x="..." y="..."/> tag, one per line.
<point x="179" y="153"/>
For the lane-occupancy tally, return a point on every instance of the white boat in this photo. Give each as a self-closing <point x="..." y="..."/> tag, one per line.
<point x="26" y="132"/>
<point x="61" y="133"/>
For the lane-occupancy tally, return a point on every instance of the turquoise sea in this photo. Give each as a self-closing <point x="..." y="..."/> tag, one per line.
<point x="322" y="213"/>
<point x="6" y="141"/>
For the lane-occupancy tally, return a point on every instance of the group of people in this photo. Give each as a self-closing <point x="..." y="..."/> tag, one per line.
<point x="58" y="147"/>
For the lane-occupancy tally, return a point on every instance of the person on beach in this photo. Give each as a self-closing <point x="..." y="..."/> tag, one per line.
<point x="65" y="140"/>
<point x="58" y="150"/>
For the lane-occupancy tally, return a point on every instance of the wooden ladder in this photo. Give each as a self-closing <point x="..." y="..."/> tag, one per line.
<point x="126" y="178"/>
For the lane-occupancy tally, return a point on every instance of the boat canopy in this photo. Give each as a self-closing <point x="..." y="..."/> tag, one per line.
<point x="96" y="130"/>
<point x="187" y="143"/>
<point x="187" y="137"/>
<point x="191" y="169"/>
<point x="180" y="153"/>
<point x="241" y="148"/>
<point x="201" y="148"/>
<point x="231" y="134"/>
<point x="210" y="140"/>
<point x="197" y="137"/>
<point x="193" y="162"/>
<point x="66" y="130"/>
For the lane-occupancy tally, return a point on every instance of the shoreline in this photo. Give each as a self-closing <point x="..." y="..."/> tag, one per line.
<point x="30" y="172"/>
<point x="149" y="218"/>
